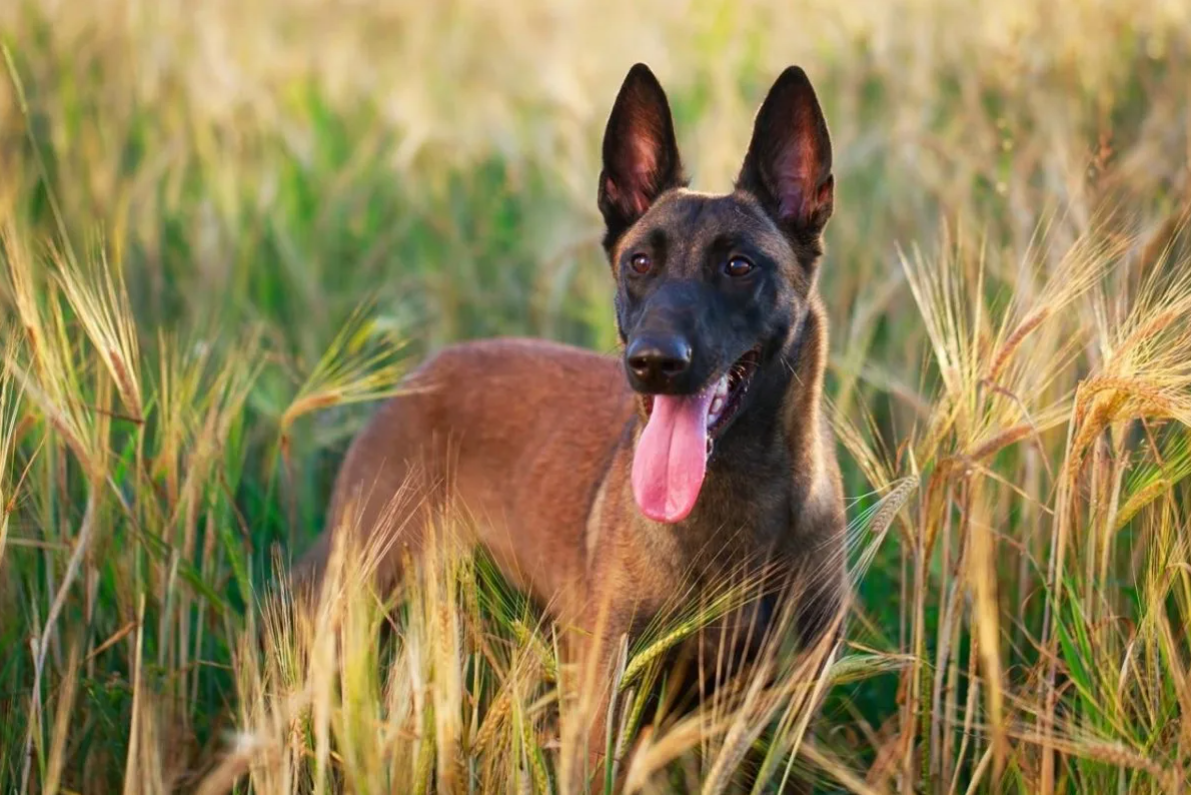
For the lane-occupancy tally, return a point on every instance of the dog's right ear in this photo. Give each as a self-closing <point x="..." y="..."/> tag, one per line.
<point x="788" y="165"/>
<point x="640" y="153"/>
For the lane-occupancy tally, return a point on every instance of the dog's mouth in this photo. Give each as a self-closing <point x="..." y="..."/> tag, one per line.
<point x="727" y="395"/>
<point x="670" y="460"/>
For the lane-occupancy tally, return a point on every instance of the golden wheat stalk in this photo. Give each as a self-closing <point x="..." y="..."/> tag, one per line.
<point x="1015" y="340"/>
<point x="100" y="301"/>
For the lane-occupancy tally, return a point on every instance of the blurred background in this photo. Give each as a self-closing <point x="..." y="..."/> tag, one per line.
<point x="259" y="169"/>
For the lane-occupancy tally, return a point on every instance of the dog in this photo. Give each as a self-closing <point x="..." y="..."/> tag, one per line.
<point x="604" y="485"/>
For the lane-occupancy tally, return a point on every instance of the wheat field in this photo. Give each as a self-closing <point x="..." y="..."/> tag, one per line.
<point x="228" y="228"/>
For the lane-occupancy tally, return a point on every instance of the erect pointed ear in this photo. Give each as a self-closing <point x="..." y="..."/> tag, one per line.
<point x="640" y="153"/>
<point x="788" y="165"/>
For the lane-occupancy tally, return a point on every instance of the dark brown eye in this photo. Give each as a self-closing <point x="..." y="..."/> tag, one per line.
<point x="737" y="267"/>
<point x="641" y="263"/>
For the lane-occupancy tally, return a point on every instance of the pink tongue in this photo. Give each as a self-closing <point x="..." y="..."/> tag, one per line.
<point x="671" y="457"/>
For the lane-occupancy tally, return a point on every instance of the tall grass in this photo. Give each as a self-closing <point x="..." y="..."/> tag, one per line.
<point x="228" y="228"/>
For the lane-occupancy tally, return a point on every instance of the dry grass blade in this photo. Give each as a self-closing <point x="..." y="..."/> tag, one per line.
<point x="1115" y="754"/>
<point x="233" y="767"/>
<point x="9" y="405"/>
<point x="42" y="644"/>
<point x="836" y="770"/>
<point x="62" y="712"/>
<point x="362" y="363"/>
<point x="45" y="365"/>
<point x="877" y="520"/>
<point x="654" y="755"/>
<point x="1079" y="270"/>
<point x="1015" y="339"/>
<point x="100" y="302"/>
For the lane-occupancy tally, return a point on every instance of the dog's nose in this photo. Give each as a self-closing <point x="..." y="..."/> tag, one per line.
<point x="656" y="361"/>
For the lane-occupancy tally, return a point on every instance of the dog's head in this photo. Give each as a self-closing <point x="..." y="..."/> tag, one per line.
<point x="711" y="289"/>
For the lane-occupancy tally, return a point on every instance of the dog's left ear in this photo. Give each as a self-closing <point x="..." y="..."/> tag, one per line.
<point x="640" y="153"/>
<point x="788" y="165"/>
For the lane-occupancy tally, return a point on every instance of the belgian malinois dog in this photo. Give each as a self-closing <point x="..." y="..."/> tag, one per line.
<point x="604" y="485"/>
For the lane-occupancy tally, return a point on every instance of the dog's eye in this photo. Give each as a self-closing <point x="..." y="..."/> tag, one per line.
<point x="641" y="263"/>
<point x="738" y="266"/>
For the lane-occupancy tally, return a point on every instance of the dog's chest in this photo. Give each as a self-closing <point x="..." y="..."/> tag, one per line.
<point x="738" y="535"/>
<point x="738" y="635"/>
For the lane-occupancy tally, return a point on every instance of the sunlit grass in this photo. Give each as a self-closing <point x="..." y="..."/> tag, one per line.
<point x="229" y="228"/>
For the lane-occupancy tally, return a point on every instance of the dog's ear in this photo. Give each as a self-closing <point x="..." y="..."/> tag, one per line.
<point x="640" y="153"/>
<point x="788" y="165"/>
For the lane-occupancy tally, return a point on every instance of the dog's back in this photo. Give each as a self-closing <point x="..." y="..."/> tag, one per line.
<point x="518" y="433"/>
